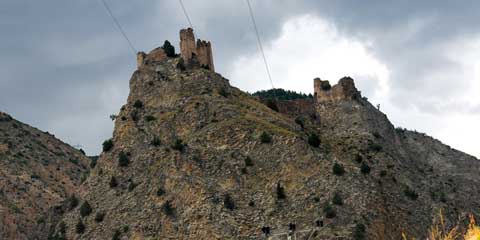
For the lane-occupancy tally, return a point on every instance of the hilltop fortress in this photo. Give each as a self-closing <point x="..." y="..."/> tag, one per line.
<point x="193" y="52"/>
<point x="198" y="53"/>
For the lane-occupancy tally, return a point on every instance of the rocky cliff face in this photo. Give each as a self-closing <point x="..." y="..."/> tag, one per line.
<point x="195" y="158"/>
<point x="37" y="173"/>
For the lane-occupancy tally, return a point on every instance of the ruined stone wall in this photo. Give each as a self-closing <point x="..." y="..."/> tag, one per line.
<point x="199" y="52"/>
<point x="344" y="90"/>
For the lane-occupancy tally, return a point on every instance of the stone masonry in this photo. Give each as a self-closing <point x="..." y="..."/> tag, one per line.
<point x="344" y="90"/>
<point x="195" y="52"/>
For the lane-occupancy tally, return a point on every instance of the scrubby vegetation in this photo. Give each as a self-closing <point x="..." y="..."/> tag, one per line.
<point x="265" y="138"/>
<point x="178" y="145"/>
<point x="364" y="168"/>
<point x="280" y="192"/>
<point x="169" y="49"/>
<point x="138" y="104"/>
<point x="314" y="140"/>
<point x="123" y="159"/>
<point x="281" y="94"/>
<point x="228" y="202"/>
<point x="107" y="145"/>
<point x="337" y="199"/>
<point x="338" y="169"/>
<point x="85" y="209"/>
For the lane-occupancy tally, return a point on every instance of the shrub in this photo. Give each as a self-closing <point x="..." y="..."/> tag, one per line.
<point x="160" y="192"/>
<point x="123" y="160"/>
<point x="107" y="145"/>
<point x="168" y="209"/>
<point x="375" y="147"/>
<point x="113" y="182"/>
<point x="300" y="122"/>
<point x="131" y="186"/>
<point x="329" y="211"/>
<point x="138" y="104"/>
<point x="178" y="145"/>
<point x="383" y="173"/>
<point x="410" y="193"/>
<point x="149" y="118"/>
<point x="280" y="192"/>
<point x="72" y="202"/>
<point x="155" y="141"/>
<point x="272" y="105"/>
<point x="228" y="202"/>
<point x="80" y="227"/>
<point x="364" y="168"/>
<point x="181" y="65"/>
<point x="325" y="85"/>
<point x="116" y="235"/>
<point x="82" y="152"/>
<point x="377" y="135"/>
<point x="248" y="162"/>
<point x="169" y="49"/>
<point x="359" y="232"/>
<point x="358" y="158"/>
<point x="338" y="169"/>
<point x="337" y="199"/>
<point x="99" y="216"/>
<point x="85" y="209"/>
<point x="314" y="140"/>
<point x="265" y="138"/>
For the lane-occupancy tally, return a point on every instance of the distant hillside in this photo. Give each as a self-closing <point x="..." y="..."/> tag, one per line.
<point x="37" y="173"/>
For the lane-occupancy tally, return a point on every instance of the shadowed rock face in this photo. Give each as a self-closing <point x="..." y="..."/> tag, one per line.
<point x="37" y="173"/>
<point x="188" y="162"/>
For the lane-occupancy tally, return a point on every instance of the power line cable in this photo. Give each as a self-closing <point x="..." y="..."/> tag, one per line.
<point x="260" y="45"/>
<point x="119" y="26"/>
<point x="186" y="14"/>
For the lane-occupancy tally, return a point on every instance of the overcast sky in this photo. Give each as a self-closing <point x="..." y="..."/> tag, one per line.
<point x="64" y="67"/>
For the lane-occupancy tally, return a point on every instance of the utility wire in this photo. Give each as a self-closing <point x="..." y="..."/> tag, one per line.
<point x="186" y="14"/>
<point x="119" y="27"/>
<point x="260" y="45"/>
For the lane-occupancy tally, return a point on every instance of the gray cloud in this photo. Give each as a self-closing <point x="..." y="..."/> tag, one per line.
<point x="64" y="67"/>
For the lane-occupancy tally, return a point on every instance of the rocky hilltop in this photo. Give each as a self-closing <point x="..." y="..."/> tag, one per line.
<point x="192" y="157"/>
<point x="37" y="173"/>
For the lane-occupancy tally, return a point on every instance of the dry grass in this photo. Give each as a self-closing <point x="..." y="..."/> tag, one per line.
<point x="439" y="231"/>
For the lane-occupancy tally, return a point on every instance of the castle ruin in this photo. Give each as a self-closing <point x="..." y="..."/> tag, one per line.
<point x="344" y="90"/>
<point x="193" y="52"/>
<point x="198" y="51"/>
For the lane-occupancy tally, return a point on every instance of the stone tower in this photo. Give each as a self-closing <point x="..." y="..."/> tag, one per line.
<point x="199" y="52"/>
<point x="344" y="90"/>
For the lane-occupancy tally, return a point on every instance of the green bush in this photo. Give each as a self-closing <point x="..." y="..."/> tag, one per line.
<point x="364" y="168"/>
<point x="265" y="137"/>
<point x="72" y="202"/>
<point x="280" y="192"/>
<point x="329" y="211"/>
<point x="383" y="173"/>
<point x="160" y="192"/>
<point x="168" y="209"/>
<point x="248" y="162"/>
<point x="410" y="193"/>
<point x="155" y="141"/>
<point x="300" y="122"/>
<point x="314" y="140"/>
<point x="325" y="85"/>
<point x="375" y="147"/>
<point x="116" y="235"/>
<point x="178" y="145"/>
<point x="337" y="199"/>
<point x="149" y="118"/>
<point x="80" y="227"/>
<point x="113" y="182"/>
<point x="338" y="169"/>
<point x="228" y="202"/>
<point x="107" y="145"/>
<point x="358" y="158"/>
<point x="123" y="160"/>
<point x="85" y="209"/>
<point x="181" y="65"/>
<point x="169" y="49"/>
<point x="223" y="92"/>
<point x="138" y="104"/>
<point x="359" y="232"/>
<point x="99" y="216"/>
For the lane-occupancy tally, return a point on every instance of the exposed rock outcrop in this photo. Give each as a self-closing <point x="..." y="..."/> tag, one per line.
<point x="195" y="158"/>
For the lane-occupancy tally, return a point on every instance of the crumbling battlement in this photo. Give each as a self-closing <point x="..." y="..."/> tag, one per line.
<point x="344" y="90"/>
<point x="195" y="52"/>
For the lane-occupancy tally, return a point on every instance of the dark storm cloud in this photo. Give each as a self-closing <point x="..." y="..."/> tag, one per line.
<point x="64" y="67"/>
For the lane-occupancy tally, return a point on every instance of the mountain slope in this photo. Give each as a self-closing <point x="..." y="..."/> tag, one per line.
<point x="37" y="172"/>
<point x="194" y="158"/>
